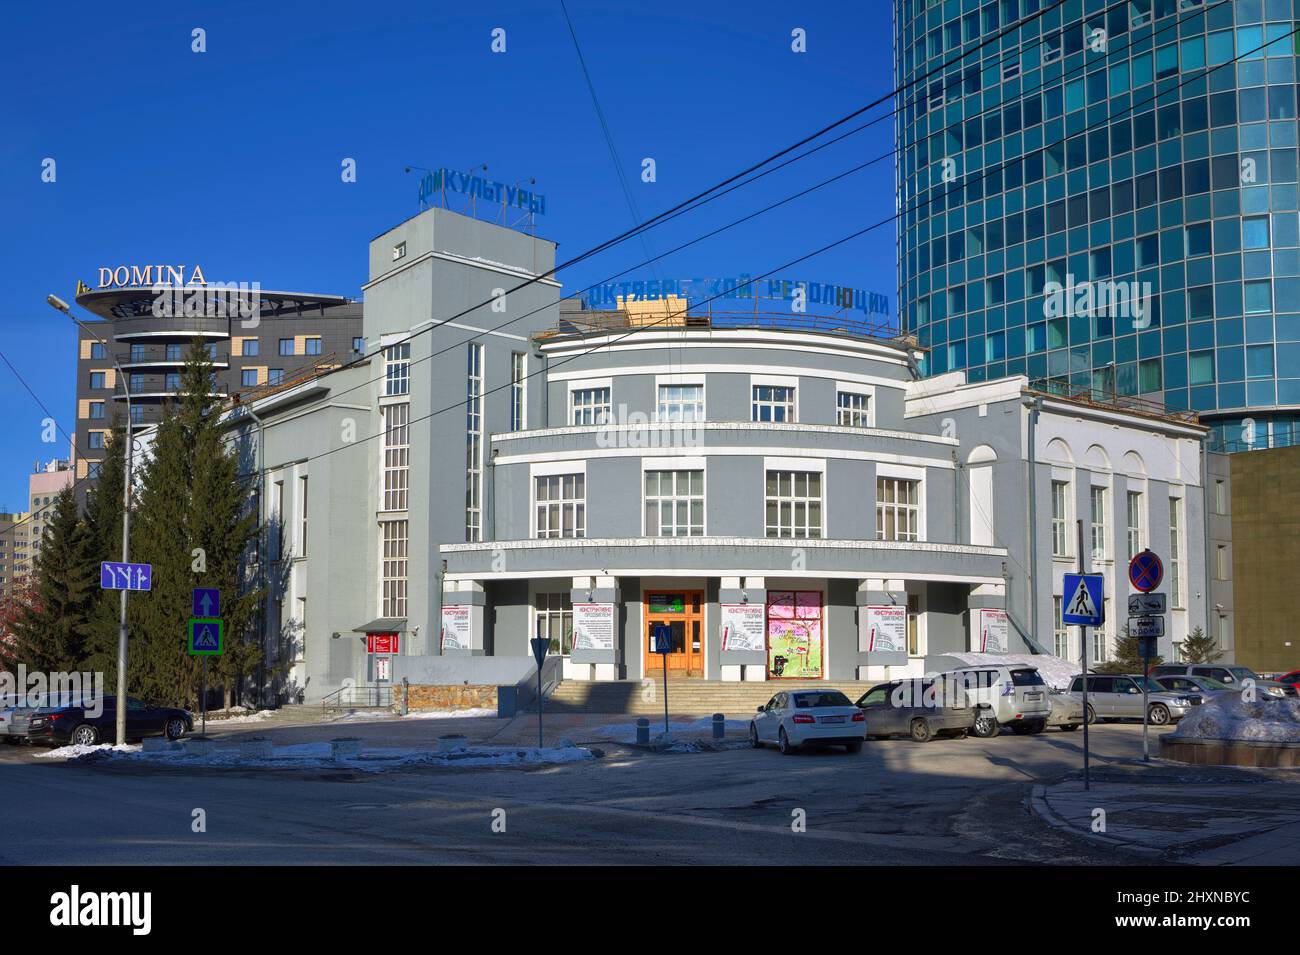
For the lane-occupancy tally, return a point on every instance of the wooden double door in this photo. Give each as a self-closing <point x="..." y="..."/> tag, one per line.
<point x="682" y="611"/>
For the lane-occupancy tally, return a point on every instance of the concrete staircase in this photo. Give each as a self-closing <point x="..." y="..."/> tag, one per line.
<point x="685" y="697"/>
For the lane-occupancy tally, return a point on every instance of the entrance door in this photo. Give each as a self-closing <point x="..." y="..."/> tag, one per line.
<point x="683" y="613"/>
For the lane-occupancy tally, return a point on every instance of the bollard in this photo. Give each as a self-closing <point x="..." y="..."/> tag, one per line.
<point x="719" y="726"/>
<point x="642" y="731"/>
<point x="406" y="696"/>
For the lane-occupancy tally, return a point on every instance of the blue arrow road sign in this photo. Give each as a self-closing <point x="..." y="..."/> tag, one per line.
<point x="1083" y="604"/>
<point x="207" y="602"/>
<point x="115" y="575"/>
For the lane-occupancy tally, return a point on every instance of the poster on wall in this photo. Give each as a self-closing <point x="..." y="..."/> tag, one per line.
<point x="882" y="629"/>
<point x="742" y="626"/>
<point x="457" y="632"/>
<point x="991" y="635"/>
<point x="593" y="626"/>
<point x="794" y="634"/>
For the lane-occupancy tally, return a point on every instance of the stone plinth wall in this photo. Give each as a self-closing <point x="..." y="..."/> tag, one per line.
<point x="1216" y="752"/>
<point x="454" y="697"/>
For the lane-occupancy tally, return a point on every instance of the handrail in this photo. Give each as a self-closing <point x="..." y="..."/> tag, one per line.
<point x="366" y="694"/>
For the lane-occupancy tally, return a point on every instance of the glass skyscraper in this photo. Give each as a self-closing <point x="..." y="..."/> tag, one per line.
<point x="1096" y="150"/>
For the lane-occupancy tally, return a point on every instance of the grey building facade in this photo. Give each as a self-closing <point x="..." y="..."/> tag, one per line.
<point x="782" y="502"/>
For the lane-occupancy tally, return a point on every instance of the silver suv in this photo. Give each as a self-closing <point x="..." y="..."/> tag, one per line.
<point x="1232" y="676"/>
<point x="1120" y="698"/>
<point x="1013" y="695"/>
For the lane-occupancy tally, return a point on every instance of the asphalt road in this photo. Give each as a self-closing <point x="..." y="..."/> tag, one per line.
<point x="945" y="802"/>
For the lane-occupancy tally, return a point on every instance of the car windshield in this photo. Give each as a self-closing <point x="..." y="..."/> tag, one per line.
<point x="1210" y="683"/>
<point x="1243" y="673"/>
<point x="806" y="701"/>
<point x="1151" y="685"/>
<point x="1028" y="677"/>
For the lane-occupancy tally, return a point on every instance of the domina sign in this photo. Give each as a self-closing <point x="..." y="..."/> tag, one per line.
<point x="145" y="276"/>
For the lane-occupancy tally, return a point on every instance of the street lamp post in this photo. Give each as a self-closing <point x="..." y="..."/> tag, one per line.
<point x="62" y="306"/>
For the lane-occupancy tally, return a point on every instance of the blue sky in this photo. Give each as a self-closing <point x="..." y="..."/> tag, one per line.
<point x="231" y="158"/>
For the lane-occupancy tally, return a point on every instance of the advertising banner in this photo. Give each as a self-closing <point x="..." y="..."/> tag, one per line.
<point x="593" y="626"/>
<point x="794" y="634"/>
<point x="457" y="632"/>
<point x="742" y="626"/>
<point x="991" y="635"/>
<point x="882" y="629"/>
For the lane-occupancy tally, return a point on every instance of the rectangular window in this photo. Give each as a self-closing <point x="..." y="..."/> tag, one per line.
<point x="474" y="443"/>
<point x="898" y="509"/>
<point x="1222" y="569"/>
<point x="248" y="377"/>
<point x="137" y="414"/>
<point x="172" y="381"/>
<point x="852" y="410"/>
<point x="913" y="625"/>
<point x="252" y="348"/>
<point x="97" y="380"/>
<point x="97" y="409"/>
<point x="561" y="505"/>
<point x="1220" y="497"/>
<point x="1175" y="552"/>
<point x="681" y="403"/>
<point x="1099" y="634"/>
<point x="313" y="346"/>
<point x="137" y="384"/>
<point x="1060" y="636"/>
<point x="95" y="440"/>
<point x="393" y="565"/>
<point x="397" y="369"/>
<point x="1098" y="521"/>
<point x="1136" y="542"/>
<point x="358" y="346"/>
<point x="397" y="460"/>
<point x="674" y="503"/>
<point x="518" y="391"/>
<point x="286" y="346"/>
<point x="589" y="406"/>
<point x="773" y="403"/>
<point x="1060" y="519"/>
<point x="97" y="350"/>
<point x="554" y="622"/>
<point x="137" y="353"/>
<point x="275" y="376"/>
<point x="302" y="517"/>
<point x="793" y="504"/>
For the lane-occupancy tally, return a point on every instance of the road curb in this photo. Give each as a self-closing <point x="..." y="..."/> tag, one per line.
<point x="1038" y="802"/>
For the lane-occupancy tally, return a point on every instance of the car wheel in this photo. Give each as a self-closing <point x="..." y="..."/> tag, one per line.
<point x="783" y="743"/>
<point x="753" y="737"/>
<point x="986" y="726"/>
<point x="921" y="731"/>
<point x="1090" y="716"/>
<point x="85" y="735"/>
<point x="175" y="728"/>
<point x="1159" y="714"/>
<point x="854" y="747"/>
<point x="1069" y="727"/>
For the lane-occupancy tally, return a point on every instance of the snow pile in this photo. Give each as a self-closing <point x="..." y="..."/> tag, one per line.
<point x="626" y="732"/>
<point x="1226" y="716"/>
<point x="361" y="716"/>
<point x="1056" y="671"/>
<point x="78" y="750"/>
<point x="240" y="715"/>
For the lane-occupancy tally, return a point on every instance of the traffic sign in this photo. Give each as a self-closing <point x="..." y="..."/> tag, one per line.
<point x="1083" y="600"/>
<point x="663" y="638"/>
<point x="540" y="646"/>
<point x="206" y="602"/>
<point x="1146" y="627"/>
<point x="207" y="636"/>
<point x="1144" y="605"/>
<point x="116" y="575"/>
<point x="1145" y="571"/>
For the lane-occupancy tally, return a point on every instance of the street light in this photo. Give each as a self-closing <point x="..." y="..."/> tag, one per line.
<point x="62" y="306"/>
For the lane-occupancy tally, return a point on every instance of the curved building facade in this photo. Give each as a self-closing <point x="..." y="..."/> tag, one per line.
<point x="1105" y="201"/>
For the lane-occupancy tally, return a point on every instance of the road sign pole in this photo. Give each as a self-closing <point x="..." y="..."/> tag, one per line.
<point x="664" y="657"/>
<point x="539" y="707"/>
<point x="1083" y="649"/>
<point x="204" y="701"/>
<point x="1146" y="715"/>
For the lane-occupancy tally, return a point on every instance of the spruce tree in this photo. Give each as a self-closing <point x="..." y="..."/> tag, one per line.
<point x="1201" y="648"/>
<point x="103" y="516"/>
<point x="1128" y="656"/>
<point x="54" y="630"/>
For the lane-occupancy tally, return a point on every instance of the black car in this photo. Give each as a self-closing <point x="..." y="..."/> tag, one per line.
<point x="80" y="724"/>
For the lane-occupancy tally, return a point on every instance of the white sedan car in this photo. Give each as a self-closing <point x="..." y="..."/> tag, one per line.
<point x="797" y="718"/>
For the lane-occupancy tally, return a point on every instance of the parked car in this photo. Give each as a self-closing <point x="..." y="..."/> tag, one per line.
<point x="1120" y="698"/>
<point x="795" y="718"/>
<point x="1014" y="696"/>
<point x="14" y="719"/>
<point x="1291" y="679"/>
<point x="76" y="724"/>
<point x="1204" y="686"/>
<point x="922" y="709"/>
<point x="1067" y="710"/>
<point x="1224" y="673"/>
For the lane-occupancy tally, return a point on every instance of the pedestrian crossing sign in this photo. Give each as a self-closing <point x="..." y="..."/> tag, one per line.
<point x="207" y="636"/>
<point x="1083" y="605"/>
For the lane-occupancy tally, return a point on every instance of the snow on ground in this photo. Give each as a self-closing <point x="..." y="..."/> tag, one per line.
<point x="1056" y="671"/>
<point x="317" y="756"/>
<point x="1227" y="716"/>
<point x="362" y="716"/>
<point x="626" y="732"/>
<point x="239" y="714"/>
